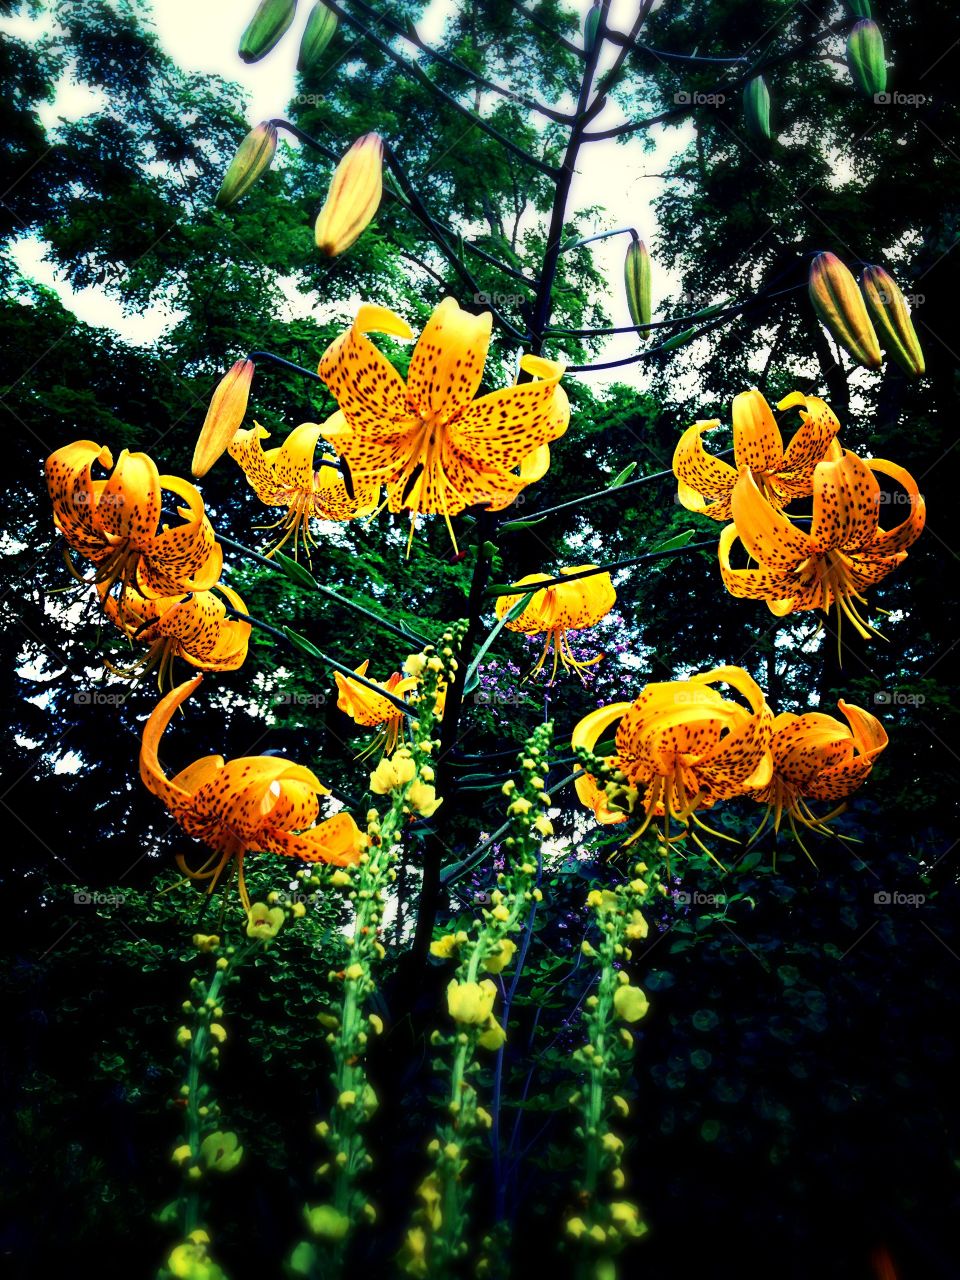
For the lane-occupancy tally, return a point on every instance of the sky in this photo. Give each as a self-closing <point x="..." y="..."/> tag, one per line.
<point x="203" y="35"/>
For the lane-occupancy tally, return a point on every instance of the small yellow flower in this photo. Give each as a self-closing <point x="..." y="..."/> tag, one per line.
<point x="445" y="947"/>
<point x="499" y="959"/>
<point x="218" y="1032"/>
<point x="221" y="1151"/>
<point x="263" y="921"/>
<point x="493" y="1036"/>
<point x="327" y="1222"/>
<point x="576" y="1227"/>
<point x="377" y="1023"/>
<point x="184" y="1036"/>
<point x="422" y="798"/>
<point x="206" y="941"/>
<point x="637" y="926"/>
<point x="182" y="1154"/>
<point x="630" y="1003"/>
<point x="471" y="1002"/>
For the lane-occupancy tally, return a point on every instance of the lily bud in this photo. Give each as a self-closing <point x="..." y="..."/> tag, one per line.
<point x="252" y="158"/>
<point x="756" y="108"/>
<point x="860" y="8"/>
<point x="888" y="308"/>
<point x="353" y="198"/>
<point x="636" y="275"/>
<point x="228" y="405"/>
<point x="840" y="306"/>
<point x="591" y="25"/>
<point x="866" y="58"/>
<point x="266" y="28"/>
<point x="317" y="34"/>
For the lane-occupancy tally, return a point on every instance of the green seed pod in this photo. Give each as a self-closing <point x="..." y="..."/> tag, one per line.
<point x="840" y="306"/>
<point x="636" y="276"/>
<point x="888" y="309"/>
<point x="319" y="31"/>
<point x="591" y="24"/>
<point x="866" y="58"/>
<point x="756" y="108"/>
<point x="271" y="20"/>
<point x="252" y="158"/>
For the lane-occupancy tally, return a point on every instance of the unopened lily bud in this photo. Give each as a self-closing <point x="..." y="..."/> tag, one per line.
<point x="840" y="306"/>
<point x="888" y="310"/>
<point x="591" y="25"/>
<point x="636" y="276"/>
<point x="866" y="58"/>
<point x="228" y="407"/>
<point x="266" y="28"/>
<point x="252" y="158"/>
<point x="353" y="198"/>
<point x="756" y="108"/>
<point x="317" y="34"/>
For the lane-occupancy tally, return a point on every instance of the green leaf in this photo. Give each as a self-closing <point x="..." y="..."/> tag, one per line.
<point x="302" y="643"/>
<point x="295" y="571"/>
<point x="678" y="540"/>
<point x="678" y="340"/>
<point x="472" y="678"/>
<point x="623" y="477"/>
<point x="521" y="524"/>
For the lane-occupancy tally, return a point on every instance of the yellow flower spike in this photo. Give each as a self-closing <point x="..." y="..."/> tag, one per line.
<point x="816" y="757"/>
<point x="262" y="803"/>
<point x="471" y="1002"/>
<point x="556" y="610"/>
<point x="327" y="1222"/>
<point x="353" y="199"/>
<point x="706" y="484"/>
<point x="286" y="477"/>
<point x="434" y="446"/>
<point x="228" y="407"/>
<point x="114" y="523"/>
<point x="194" y="627"/>
<point x="844" y="551"/>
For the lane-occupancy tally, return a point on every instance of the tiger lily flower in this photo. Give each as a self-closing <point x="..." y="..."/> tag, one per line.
<point x="816" y="757"/>
<point x="566" y="606"/>
<point x="114" y="523"/>
<point x="843" y="552"/>
<point x="706" y="484"/>
<point x="435" y="447"/>
<point x="261" y="803"/>
<point x="685" y="747"/>
<point x="366" y="708"/>
<point x="194" y="627"/>
<point x="285" y="477"/>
